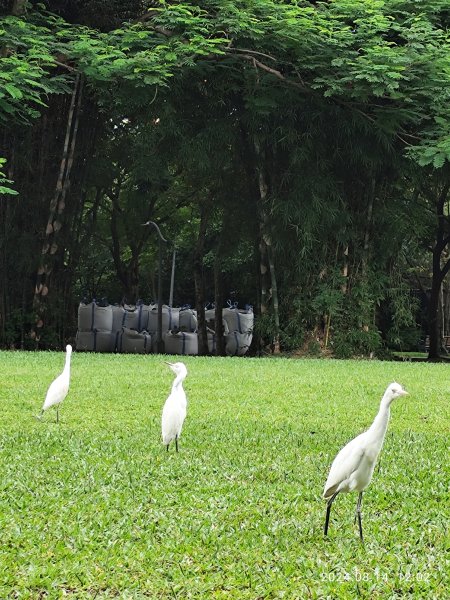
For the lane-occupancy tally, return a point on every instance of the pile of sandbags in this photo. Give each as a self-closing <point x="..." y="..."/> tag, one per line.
<point x="240" y="329"/>
<point x="132" y="341"/>
<point x="95" y="323"/>
<point x="237" y="327"/>
<point x="182" y="337"/>
<point x="106" y="328"/>
<point x="134" y="328"/>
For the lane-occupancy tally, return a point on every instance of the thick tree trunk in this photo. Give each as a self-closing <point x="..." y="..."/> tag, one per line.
<point x="127" y="273"/>
<point x="266" y="251"/>
<point x="344" y="286"/>
<point x="433" y="319"/>
<point x="263" y="272"/>
<point x="439" y="274"/>
<point x="366" y="317"/>
<point x="199" y="282"/>
<point x="273" y="279"/>
<point x="50" y="249"/>
<point x="446" y="311"/>
<point x="368" y="228"/>
<point x="5" y="220"/>
<point x="218" y="301"/>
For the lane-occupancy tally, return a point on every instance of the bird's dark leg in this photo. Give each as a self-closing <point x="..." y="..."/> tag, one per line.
<point x="176" y="443"/>
<point x="358" y="514"/>
<point x="57" y="414"/>
<point x="327" y="518"/>
<point x="167" y="447"/>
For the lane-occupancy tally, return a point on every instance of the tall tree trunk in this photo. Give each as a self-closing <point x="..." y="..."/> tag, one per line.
<point x="433" y="318"/>
<point x="266" y="250"/>
<point x="366" y="247"/>
<point x="218" y="298"/>
<point x="127" y="272"/>
<point x="446" y="312"/>
<point x="263" y="271"/>
<point x="439" y="274"/>
<point x="50" y="248"/>
<point x="344" y="286"/>
<point x="199" y="282"/>
<point x="273" y="279"/>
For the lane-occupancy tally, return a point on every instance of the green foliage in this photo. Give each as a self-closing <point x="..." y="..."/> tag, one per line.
<point x="349" y="343"/>
<point x="26" y="64"/>
<point x="5" y="189"/>
<point x="403" y="333"/>
<point x="96" y="506"/>
<point x="174" y="100"/>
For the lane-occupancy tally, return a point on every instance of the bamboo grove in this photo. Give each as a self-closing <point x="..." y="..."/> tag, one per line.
<point x="294" y="154"/>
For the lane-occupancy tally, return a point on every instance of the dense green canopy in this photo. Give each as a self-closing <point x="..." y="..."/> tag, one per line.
<point x="296" y="153"/>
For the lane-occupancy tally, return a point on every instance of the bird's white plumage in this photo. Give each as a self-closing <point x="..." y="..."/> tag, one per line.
<point x="343" y="468"/>
<point x="352" y="469"/>
<point x="60" y="386"/>
<point x="353" y="466"/>
<point x="175" y="407"/>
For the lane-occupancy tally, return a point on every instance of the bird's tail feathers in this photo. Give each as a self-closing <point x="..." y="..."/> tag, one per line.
<point x="328" y="492"/>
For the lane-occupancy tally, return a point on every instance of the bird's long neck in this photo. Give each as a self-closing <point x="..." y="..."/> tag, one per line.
<point x="178" y="382"/>
<point x="378" y="428"/>
<point x="67" y="364"/>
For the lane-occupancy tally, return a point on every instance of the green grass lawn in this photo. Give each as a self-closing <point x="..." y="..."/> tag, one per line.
<point x="96" y="508"/>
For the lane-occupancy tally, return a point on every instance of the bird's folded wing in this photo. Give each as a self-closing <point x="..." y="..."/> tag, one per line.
<point x="345" y="463"/>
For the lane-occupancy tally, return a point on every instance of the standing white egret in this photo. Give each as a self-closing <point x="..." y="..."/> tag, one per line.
<point x="174" y="411"/>
<point x="58" y="388"/>
<point x="353" y="467"/>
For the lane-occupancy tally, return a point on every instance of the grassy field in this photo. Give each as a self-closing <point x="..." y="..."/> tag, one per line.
<point x="96" y="508"/>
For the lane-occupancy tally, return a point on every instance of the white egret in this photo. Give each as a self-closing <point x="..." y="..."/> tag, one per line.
<point x="353" y="466"/>
<point x="174" y="411"/>
<point x="58" y="388"/>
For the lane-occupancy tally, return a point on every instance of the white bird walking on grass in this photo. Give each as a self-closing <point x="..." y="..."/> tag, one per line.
<point x="174" y="411"/>
<point x="58" y="388"/>
<point x="353" y="467"/>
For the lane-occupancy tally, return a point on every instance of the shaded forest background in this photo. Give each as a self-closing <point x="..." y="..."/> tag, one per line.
<point x="295" y="154"/>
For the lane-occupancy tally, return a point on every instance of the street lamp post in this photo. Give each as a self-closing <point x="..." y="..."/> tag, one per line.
<point x="159" y="340"/>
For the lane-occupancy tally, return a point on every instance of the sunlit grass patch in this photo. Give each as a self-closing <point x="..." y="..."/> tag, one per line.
<point x="95" y="506"/>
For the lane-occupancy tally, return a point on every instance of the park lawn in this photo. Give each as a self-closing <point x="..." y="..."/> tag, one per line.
<point x="94" y="507"/>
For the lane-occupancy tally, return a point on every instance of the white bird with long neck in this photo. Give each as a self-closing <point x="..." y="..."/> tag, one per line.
<point x="352" y="469"/>
<point x="58" y="388"/>
<point x="174" y="411"/>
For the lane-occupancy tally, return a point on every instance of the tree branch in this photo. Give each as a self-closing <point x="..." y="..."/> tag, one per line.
<point x="274" y="72"/>
<point x="256" y="53"/>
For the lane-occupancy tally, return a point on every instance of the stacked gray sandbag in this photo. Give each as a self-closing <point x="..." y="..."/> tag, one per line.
<point x="119" y="317"/>
<point x="212" y="337"/>
<point x="210" y="317"/>
<point x="182" y="338"/>
<point x="135" y="316"/>
<point x="95" y="323"/>
<point x="170" y="320"/>
<point x="187" y="320"/>
<point x="131" y="317"/>
<point x="132" y="341"/>
<point x="181" y="342"/>
<point x="240" y="329"/>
